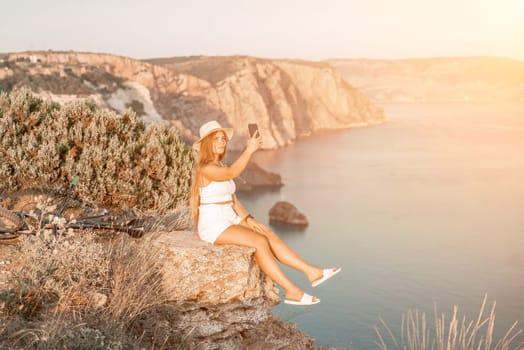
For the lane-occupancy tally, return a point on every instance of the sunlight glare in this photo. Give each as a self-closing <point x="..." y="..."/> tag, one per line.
<point x="519" y="4"/>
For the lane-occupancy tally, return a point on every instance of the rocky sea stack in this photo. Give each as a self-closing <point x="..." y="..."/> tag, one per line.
<point x="286" y="213"/>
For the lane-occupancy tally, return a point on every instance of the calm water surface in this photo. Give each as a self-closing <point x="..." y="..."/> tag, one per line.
<point x="427" y="208"/>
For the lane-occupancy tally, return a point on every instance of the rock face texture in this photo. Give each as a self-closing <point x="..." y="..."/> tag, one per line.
<point x="287" y="99"/>
<point x="286" y="213"/>
<point x="223" y="300"/>
<point x="199" y="271"/>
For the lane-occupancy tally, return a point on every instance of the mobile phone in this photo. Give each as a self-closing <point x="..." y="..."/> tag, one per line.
<point x="252" y="127"/>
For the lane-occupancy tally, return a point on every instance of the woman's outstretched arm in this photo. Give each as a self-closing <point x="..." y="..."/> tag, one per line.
<point x="215" y="172"/>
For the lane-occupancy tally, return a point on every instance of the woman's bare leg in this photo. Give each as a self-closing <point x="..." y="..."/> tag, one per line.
<point x="288" y="256"/>
<point x="243" y="236"/>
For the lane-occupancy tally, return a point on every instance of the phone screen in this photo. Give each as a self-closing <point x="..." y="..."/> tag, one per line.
<point x="252" y="129"/>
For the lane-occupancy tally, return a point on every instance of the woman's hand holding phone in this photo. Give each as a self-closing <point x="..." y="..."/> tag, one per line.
<point x="252" y="128"/>
<point x="254" y="141"/>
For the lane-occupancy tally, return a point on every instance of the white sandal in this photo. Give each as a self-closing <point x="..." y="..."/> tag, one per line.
<point x="326" y="274"/>
<point x="305" y="300"/>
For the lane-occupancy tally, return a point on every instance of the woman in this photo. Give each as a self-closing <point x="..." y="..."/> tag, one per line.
<point x="221" y="219"/>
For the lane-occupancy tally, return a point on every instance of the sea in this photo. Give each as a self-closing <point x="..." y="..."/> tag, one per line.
<point x="422" y="213"/>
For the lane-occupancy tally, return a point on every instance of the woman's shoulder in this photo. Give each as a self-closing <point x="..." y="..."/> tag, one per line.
<point x="211" y="165"/>
<point x="204" y="181"/>
<point x="209" y="168"/>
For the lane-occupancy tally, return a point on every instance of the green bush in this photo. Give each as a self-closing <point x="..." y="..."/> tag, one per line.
<point x="121" y="162"/>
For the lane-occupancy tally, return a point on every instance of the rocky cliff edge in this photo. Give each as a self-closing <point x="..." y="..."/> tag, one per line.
<point x="223" y="299"/>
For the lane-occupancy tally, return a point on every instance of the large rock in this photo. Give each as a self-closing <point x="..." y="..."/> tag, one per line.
<point x="222" y="299"/>
<point x="254" y="177"/>
<point x="286" y="213"/>
<point x="198" y="271"/>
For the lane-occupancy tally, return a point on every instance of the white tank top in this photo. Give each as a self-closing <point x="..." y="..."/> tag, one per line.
<point x="217" y="191"/>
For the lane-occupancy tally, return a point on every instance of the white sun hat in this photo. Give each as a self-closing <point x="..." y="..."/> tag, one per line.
<point x="209" y="128"/>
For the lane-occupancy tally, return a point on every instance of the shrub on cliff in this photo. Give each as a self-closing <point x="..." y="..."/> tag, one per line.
<point x="121" y="162"/>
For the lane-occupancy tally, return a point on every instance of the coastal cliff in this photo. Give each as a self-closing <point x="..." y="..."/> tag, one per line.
<point x="288" y="99"/>
<point x="164" y="288"/>
<point x="169" y="290"/>
<point x="436" y="80"/>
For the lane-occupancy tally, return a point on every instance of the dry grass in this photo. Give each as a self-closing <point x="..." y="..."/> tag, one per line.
<point x="178" y="219"/>
<point x="136" y="281"/>
<point x="460" y="334"/>
<point x="84" y="292"/>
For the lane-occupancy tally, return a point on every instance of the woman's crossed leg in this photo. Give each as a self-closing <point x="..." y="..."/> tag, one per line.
<point x="243" y="236"/>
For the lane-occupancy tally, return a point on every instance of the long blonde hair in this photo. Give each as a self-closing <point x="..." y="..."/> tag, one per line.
<point x="204" y="156"/>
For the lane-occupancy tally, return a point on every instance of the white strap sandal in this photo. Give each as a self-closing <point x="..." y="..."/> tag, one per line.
<point x="326" y="274"/>
<point x="305" y="300"/>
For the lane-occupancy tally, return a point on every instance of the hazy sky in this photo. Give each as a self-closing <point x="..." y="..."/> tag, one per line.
<point x="308" y="29"/>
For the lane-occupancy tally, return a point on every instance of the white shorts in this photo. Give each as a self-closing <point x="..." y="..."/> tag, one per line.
<point x="213" y="219"/>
